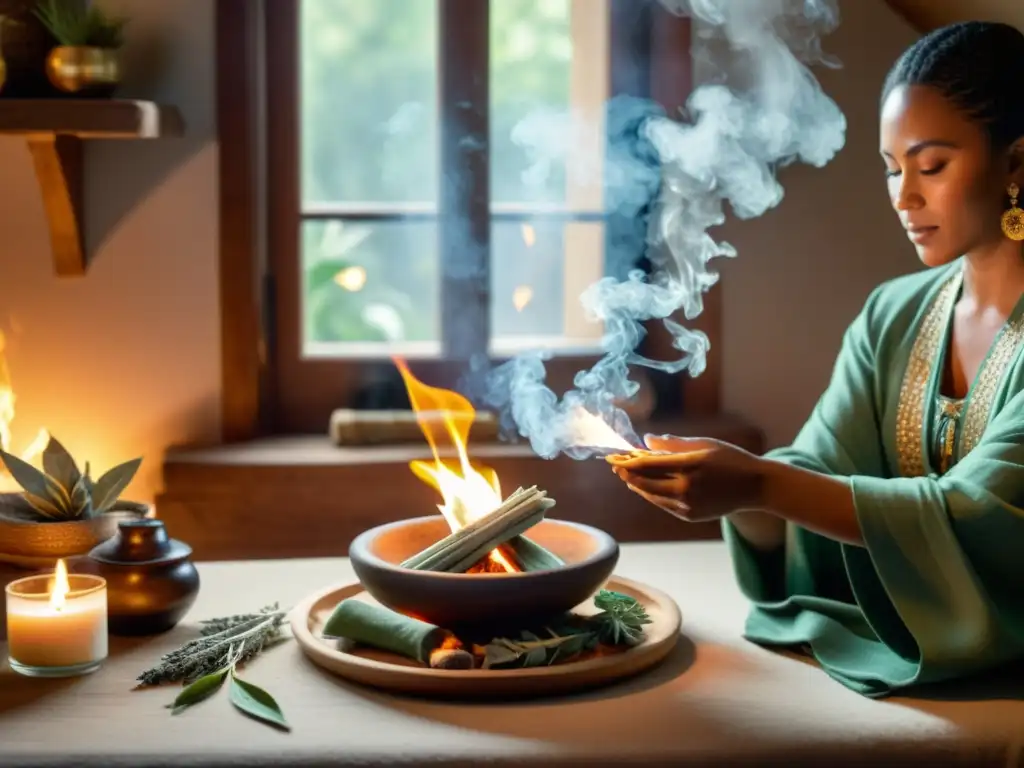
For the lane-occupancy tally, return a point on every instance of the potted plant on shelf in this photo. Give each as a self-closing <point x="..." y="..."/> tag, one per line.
<point x="85" y="61"/>
<point x="61" y="511"/>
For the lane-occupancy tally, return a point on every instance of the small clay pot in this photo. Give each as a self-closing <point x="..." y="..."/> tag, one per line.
<point x="151" y="582"/>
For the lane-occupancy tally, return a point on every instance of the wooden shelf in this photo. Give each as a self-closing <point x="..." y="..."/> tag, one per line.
<point x="54" y="130"/>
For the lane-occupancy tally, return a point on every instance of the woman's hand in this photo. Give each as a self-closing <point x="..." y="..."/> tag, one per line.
<point x="698" y="479"/>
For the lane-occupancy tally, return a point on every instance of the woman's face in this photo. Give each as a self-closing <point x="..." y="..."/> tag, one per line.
<point x="944" y="181"/>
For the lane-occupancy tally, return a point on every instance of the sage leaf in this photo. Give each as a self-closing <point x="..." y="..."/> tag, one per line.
<point x="36" y="482"/>
<point x="536" y="657"/>
<point x="257" y="703"/>
<point x="81" y="500"/>
<point x="107" y="489"/>
<point x="199" y="690"/>
<point x="44" y="507"/>
<point x="495" y="655"/>
<point x="60" y="464"/>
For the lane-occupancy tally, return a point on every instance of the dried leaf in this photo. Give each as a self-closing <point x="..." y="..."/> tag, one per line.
<point x="536" y="657"/>
<point x="496" y="654"/>
<point x="108" y="488"/>
<point x="81" y="500"/>
<point x="44" y="507"/>
<point x="201" y="689"/>
<point x="257" y="703"/>
<point x="37" y="482"/>
<point x="60" y="464"/>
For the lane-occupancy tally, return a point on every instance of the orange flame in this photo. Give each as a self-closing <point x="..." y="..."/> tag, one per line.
<point x="7" y="399"/>
<point x="468" y="491"/>
<point x="61" y="587"/>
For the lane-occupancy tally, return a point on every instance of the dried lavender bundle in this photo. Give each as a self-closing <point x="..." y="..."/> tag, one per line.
<point x="223" y="642"/>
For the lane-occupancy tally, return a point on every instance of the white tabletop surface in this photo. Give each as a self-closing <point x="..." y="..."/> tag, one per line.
<point x="717" y="700"/>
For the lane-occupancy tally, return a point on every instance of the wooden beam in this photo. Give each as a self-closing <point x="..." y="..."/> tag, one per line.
<point x="465" y="222"/>
<point x="240" y="127"/>
<point x="58" y="163"/>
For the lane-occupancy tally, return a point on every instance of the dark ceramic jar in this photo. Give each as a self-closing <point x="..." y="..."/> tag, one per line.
<point x="151" y="582"/>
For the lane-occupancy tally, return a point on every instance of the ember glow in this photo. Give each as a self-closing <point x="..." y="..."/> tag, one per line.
<point x="591" y="431"/>
<point x="7" y="400"/>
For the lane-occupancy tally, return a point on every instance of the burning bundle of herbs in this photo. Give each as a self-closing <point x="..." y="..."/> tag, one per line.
<point x="487" y="529"/>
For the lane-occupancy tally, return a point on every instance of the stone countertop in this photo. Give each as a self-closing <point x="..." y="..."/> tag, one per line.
<point x="717" y="700"/>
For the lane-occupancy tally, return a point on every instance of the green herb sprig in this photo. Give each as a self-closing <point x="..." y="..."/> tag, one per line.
<point x="248" y="698"/>
<point x="77" y="23"/>
<point x="620" y="622"/>
<point x="224" y="644"/>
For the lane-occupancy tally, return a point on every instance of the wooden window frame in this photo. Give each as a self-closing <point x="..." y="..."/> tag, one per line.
<point x="267" y="389"/>
<point x="276" y="487"/>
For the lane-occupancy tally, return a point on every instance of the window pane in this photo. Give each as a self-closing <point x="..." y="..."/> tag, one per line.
<point x="371" y="289"/>
<point x="538" y="273"/>
<point x="369" y="101"/>
<point x="549" y="85"/>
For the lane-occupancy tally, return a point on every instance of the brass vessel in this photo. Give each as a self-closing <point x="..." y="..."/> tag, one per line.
<point x="84" y="70"/>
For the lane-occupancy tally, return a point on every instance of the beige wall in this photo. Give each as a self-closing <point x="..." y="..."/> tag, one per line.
<point x="929" y="14"/>
<point x="805" y="268"/>
<point x="125" y="361"/>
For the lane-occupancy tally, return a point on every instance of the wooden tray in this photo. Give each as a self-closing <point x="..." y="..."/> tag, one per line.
<point x="385" y="670"/>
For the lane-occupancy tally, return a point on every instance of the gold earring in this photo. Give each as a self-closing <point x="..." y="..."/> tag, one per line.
<point x="1013" y="219"/>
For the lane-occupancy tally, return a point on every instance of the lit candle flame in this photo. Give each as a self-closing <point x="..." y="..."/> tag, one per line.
<point x="61" y="588"/>
<point x="529" y="235"/>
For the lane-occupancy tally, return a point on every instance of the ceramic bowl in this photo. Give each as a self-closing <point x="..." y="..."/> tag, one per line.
<point x="496" y="599"/>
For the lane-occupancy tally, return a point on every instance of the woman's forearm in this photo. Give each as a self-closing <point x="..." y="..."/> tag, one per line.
<point x="817" y="502"/>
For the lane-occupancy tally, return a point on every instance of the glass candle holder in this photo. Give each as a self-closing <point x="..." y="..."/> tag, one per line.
<point x="57" y="624"/>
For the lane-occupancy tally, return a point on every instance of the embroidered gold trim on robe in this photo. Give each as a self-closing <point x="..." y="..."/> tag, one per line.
<point x="979" y="406"/>
<point x="910" y="440"/>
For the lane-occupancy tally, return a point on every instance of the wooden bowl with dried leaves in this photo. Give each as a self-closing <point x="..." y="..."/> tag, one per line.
<point x="61" y="511"/>
<point x="27" y="542"/>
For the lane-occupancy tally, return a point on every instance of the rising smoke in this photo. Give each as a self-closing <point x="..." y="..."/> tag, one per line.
<point x="671" y="175"/>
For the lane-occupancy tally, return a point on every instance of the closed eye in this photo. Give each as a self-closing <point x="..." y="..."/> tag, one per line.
<point x="932" y="171"/>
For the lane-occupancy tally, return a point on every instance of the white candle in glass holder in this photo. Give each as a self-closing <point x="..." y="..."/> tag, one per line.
<point x="57" y="625"/>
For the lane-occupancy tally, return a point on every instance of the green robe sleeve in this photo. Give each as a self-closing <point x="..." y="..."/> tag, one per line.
<point x="947" y="553"/>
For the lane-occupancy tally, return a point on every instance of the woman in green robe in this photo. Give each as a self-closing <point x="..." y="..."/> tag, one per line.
<point x="888" y="539"/>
